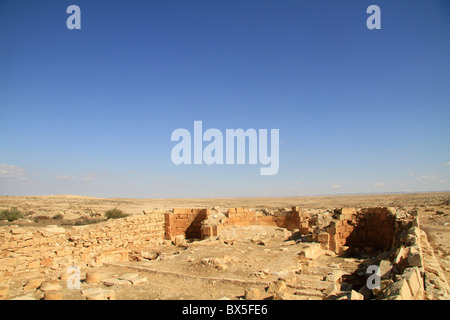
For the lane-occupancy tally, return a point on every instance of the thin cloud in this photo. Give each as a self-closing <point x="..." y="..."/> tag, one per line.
<point x="66" y="177"/>
<point x="427" y="178"/>
<point x="379" y="184"/>
<point x="11" y="172"/>
<point x="447" y="164"/>
<point x="89" y="177"/>
<point x="336" y="186"/>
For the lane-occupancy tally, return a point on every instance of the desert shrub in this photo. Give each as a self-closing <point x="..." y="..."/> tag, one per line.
<point x="41" y="218"/>
<point x="11" y="214"/>
<point x="115" y="214"/>
<point x="85" y="221"/>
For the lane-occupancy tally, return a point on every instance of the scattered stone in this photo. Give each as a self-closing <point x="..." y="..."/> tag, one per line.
<point x="366" y="292"/>
<point x="90" y="291"/>
<point x="277" y="286"/>
<point x="93" y="277"/>
<point x="129" y="276"/>
<point x="353" y="295"/>
<point x="311" y="251"/>
<point x="334" y="276"/>
<point x="34" y="282"/>
<point x="53" y="295"/>
<point x="252" y="294"/>
<point x="399" y="288"/>
<point x="385" y="269"/>
<point x="332" y="289"/>
<point x="115" y="282"/>
<point x="50" y="285"/>
<point x="139" y="280"/>
<point x="180" y="241"/>
<point x="401" y="254"/>
<point x="95" y="296"/>
<point x="343" y="250"/>
<point x="258" y="274"/>
<point x="309" y="292"/>
<point x="109" y="294"/>
<point x="4" y="292"/>
<point x="24" y="298"/>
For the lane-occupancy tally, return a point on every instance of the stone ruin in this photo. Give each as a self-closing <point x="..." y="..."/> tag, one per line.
<point x="386" y="237"/>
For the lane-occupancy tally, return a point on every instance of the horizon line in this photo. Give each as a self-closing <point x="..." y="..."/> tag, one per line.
<point x="238" y="197"/>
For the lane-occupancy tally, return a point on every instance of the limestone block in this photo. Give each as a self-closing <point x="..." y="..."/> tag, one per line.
<point x="353" y="295"/>
<point x="334" y="276"/>
<point x="139" y="280"/>
<point x="4" y="292"/>
<point x="311" y="252"/>
<point x="385" y="269"/>
<point x="109" y="294"/>
<point x="277" y="286"/>
<point x="401" y="254"/>
<point x="53" y="295"/>
<point x="93" y="277"/>
<point x="34" y="282"/>
<point x="415" y="282"/>
<point x="414" y="258"/>
<point x="400" y="288"/>
<point x="129" y="276"/>
<point x="50" y="285"/>
<point x="252" y="294"/>
<point x="95" y="296"/>
<point x="109" y="282"/>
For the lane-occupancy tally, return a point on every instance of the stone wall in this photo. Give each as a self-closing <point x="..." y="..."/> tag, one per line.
<point x="370" y="228"/>
<point x="52" y="247"/>
<point x="401" y="267"/>
<point x="187" y="222"/>
<point x="245" y="217"/>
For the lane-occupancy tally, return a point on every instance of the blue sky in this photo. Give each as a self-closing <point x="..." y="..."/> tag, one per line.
<point x="91" y="111"/>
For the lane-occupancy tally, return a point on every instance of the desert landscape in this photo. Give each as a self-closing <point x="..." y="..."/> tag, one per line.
<point x="292" y="248"/>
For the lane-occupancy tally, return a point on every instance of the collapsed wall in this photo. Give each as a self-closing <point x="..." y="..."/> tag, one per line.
<point x="291" y="220"/>
<point x="52" y="247"/>
<point x="370" y="228"/>
<point x="187" y="222"/>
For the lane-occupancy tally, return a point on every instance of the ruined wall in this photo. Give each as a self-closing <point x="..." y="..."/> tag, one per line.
<point x="402" y="269"/>
<point x="358" y="229"/>
<point x="30" y="248"/>
<point x="186" y="222"/>
<point x="245" y="217"/>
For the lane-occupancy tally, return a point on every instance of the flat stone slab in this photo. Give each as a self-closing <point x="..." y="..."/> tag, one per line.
<point x="116" y="282"/>
<point x="129" y="276"/>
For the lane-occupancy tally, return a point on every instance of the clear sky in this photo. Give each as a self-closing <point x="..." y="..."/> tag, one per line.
<point x="91" y="111"/>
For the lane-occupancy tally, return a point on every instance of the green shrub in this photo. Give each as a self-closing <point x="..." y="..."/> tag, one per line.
<point x="85" y="221"/>
<point x="11" y="214"/>
<point x="115" y="214"/>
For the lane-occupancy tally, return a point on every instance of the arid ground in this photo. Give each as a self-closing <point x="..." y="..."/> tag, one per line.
<point x="253" y="259"/>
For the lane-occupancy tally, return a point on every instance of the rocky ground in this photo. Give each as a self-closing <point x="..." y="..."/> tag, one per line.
<point x="241" y="263"/>
<point x="244" y="261"/>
